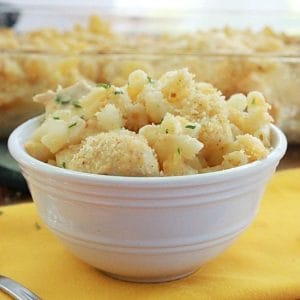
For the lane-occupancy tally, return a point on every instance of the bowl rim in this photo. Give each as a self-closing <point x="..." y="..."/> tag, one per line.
<point x="18" y="137"/>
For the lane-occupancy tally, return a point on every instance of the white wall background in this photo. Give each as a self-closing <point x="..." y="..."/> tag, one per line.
<point x="279" y="14"/>
<point x="206" y="4"/>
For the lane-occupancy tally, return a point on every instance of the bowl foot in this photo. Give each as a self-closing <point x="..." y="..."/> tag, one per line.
<point x="149" y="279"/>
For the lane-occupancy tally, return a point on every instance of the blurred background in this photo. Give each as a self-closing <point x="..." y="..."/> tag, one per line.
<point x="280" y="14"/>
<point x="151" y="17"/>
<point x="165" y="4"/>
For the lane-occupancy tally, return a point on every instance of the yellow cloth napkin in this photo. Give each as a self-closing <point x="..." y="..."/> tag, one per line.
<point x="263" y="264"/>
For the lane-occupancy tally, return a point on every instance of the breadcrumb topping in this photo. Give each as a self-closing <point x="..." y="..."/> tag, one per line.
<point x="151" y="127"/>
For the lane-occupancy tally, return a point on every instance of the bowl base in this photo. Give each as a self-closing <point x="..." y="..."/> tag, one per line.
<point x="149" y="279"/>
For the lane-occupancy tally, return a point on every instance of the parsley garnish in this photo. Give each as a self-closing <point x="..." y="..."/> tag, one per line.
<point x="119" y="92"/>
<point x="253" y="101"/>
<point x="178" y="150"/>
<point x="104" y="85"/>
<point x="82" y="117"/>
<point x="246" y="109"/>
<point x="190" y="126"/>
<point x="150" y="80"/>
<point x="63" y="102"/>
<point x="60" y="100"/>
<point x="56" y="118"/>
<point x="72" y="125"/>
<point x="76" y="104"/>
<point x="167" y="131"/>
<point x="64" y="165"/>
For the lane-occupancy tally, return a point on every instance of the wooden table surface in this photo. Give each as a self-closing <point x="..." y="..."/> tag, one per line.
<point x="290" y="160"/>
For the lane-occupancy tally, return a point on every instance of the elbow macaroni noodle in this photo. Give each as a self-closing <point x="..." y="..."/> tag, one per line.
<point x="165" y="127"/>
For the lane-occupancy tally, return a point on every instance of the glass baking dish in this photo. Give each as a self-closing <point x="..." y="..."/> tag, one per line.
<point x="155" y="42"/>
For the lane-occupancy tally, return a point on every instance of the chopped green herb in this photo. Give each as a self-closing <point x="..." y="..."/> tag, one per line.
<point x="150" y="80"/>
<point x="104" y="85"/>
<point x="60" y="100"/>
<point x="56" y="118"/>
<point x="76" y="104"/>
<point x="119" y="92"/>
<point x="64" y="165"/>
<point x="190" y="126"/>
<point x="246" y="109"/>
<point x="57" y="98"/>
<point x="37" y="226"/>
<point x="72" y="125"/>
<point x="64" y="102"/>
<point x="253" y="101"/>
<point x="167" y="131"/>
<point x="1" y="212"/>
<point x="178" y="150"/>
<point x="82" y="117"/>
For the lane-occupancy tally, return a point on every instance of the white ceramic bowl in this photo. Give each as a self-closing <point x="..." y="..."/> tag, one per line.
<point x="145" y="229"/>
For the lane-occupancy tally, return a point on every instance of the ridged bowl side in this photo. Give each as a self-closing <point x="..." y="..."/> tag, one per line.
<point x="146" y="229"/>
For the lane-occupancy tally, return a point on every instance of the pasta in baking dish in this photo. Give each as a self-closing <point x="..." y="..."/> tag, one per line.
<point x="233" y="60"/>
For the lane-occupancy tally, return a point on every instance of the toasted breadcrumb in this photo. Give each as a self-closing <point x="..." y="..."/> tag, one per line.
<point x="151" y="127"/>
<point x="115" y="153"/>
